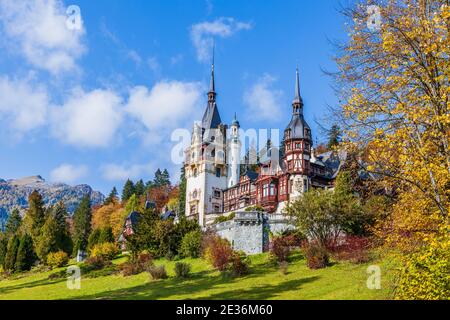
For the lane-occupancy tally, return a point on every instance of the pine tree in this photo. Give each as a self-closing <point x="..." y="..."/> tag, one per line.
<point x="106" y="235"/>
<point x="13" y="224"/>
<point x="48" y="241"/>
<point x="334" y="136"/>
<point x="128" y="190"/>
<point x="93" y="239"/>
<point x="82" y="224"/>
<point x="62" y="233"/>
<point x="25" y="254"/>
<point x="3" y="248"/>
<point x="112" y="197"/>
<point x="132" y="204"/>
<point x="162" y="178"/>
<point x="182" y="196"/>
<point x="11" y="253"/>
<point x="35" y="216"/>
<point x="139" y="188"/>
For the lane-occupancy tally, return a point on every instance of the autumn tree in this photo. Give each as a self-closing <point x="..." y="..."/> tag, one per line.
<point x="394" y="80"/>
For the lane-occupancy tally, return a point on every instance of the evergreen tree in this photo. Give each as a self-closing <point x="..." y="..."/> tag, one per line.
<point x="94" y="238"/>
<point x="161" y="178"/>
<point x="182" y="196"/>
<point x="132" y="204"/>
<point x="63" y="239"/>
<point x="82" y="224"/>
<point x="139" y="188"/>
<point x="11" y="253"/>
<point x="25" y="254"/>
<point x="106" y="235"/>
<point x="48" y="241"/>
<point x="13" y="224"/>
<point x="112" y="197"/>
<point x="3" y="248"/>
<point x="35" y="216"/>
<point x="128" y="190"/>
<point x="334" y="136"/>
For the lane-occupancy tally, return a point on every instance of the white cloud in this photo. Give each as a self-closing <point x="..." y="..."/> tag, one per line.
<point x="202" y="34"/>
<point x="88" y="119"/>
<point x="176" y="59"/>
<point x="115" y="172"/>
<point x="165" y="105"/>
<point x="37" y="29"/>
<point x="22" y="105"/>
<point x="68" y="173"/>
<point x="263" y="101"/>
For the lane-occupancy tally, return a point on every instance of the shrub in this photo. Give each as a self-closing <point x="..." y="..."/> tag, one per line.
<point x="182" y="269"/>
<point x="218" y="252"/>
<point x="280" y="247"/>
<point x="106" y="250"/>
<point x="224" y="218"/>
<point x="351" y="248"/>
<point x="157" y="272"/>
<point x="316" y="256"/>
<point x="239" y="264"/>
<point x="96" y="263"/>
<point x="425" y="274"/>
<point x="136" y="266"/>
<point x="191" y="244"/>
<point x="57" y="259"/>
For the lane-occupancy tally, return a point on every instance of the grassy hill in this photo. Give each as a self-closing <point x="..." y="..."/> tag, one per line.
<point x="340" y="281"/>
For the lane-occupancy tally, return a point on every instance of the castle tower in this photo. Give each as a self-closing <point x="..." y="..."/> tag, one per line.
<point x="298" y="143"/>
<point x="234" y="154"/>
<point x="205" y="165"/>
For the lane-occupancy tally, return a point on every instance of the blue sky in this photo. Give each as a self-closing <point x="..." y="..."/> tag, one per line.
<point x="98" y="104"/>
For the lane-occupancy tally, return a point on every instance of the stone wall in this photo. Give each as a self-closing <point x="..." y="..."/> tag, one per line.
<point x="249" y="231"/>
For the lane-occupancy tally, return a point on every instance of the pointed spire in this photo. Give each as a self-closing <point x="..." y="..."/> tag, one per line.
<point x="297" y="97"/>
<point x="212" y="87"/>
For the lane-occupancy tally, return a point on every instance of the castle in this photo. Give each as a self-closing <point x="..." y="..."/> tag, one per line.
<point x="215" y="184"/>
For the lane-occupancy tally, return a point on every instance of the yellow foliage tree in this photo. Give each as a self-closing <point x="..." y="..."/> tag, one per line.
<point x="395" y="83"/>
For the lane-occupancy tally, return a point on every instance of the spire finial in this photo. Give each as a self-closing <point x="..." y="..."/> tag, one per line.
<point x="297" y="85"/>
<point x="212" y="87"/>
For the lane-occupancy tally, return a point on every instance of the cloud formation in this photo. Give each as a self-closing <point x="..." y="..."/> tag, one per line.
<point x="88" y="119"/>
<point x="202" y="34"/>
<point x="165" y="105"/>
<point x="23" y="105"/>
<point x="67" y="173"/>
<point x="263" y="101"/>
<point x="38" y="30"/>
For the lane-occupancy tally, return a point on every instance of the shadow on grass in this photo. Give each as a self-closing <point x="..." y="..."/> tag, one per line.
<point x="37" y="283"/>
<point x="199" y="283"/>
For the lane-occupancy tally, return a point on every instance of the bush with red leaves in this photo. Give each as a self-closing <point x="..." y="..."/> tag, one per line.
<point x="317" y="256"/>
<point x="351" y="248"/>
<point x="218" y="252"/>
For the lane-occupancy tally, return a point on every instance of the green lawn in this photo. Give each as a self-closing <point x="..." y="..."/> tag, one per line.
<point x="340" y="281"/>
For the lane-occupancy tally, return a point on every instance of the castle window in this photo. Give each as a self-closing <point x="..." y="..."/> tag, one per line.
<point x="217" y="194"/>
<point x="195" y="172"/>
<point x="265" y="190"/>
<point x="193" y="209"/>
<point x="272" y="190"/>
<point x="218" y="172"/>
<point x="216" y="208"/>
<point x="298" y="145"/>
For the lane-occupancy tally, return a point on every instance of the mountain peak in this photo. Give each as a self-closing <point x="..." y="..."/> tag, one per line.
<point x="27" y="181"/>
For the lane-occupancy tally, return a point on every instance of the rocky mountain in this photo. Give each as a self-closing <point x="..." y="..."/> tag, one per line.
<point x="14" y="193"/>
